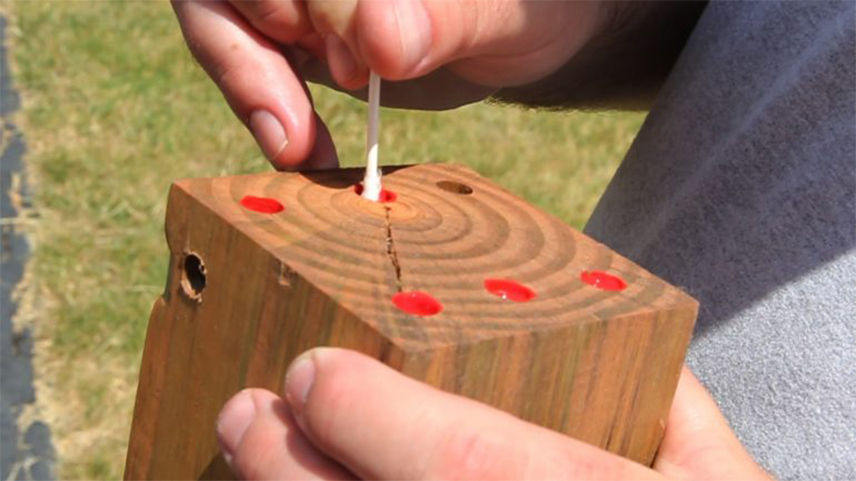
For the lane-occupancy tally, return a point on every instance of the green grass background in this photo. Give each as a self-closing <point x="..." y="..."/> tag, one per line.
<point x="115" y="109"/>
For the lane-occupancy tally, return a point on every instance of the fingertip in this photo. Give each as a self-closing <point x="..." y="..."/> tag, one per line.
<point x="299" y="380"/>
<point x="327" y="365"/>
<point x="334" y="358"/>
<point x="259" y="440"/>
<point x="344" y="67"/>
<point x="398" y="44"/>
<point x="299" y="141"/>
<point x="269" y="133"/>
<point x="233" y="421"/>
<point x="323" y="155"/>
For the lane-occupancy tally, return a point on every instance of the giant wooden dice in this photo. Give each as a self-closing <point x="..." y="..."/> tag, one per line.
<point x="454" y="282"/>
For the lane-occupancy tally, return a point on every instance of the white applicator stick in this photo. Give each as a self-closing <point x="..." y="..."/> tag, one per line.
<point x="371" y="182"/>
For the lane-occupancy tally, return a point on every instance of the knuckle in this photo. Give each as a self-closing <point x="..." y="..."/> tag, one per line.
<point x="283" y="21"/>
<point x="224" y="67"/>
<point x="224" y="73"/>
<point x="586" y="463"/>
<point x="259" y="454"/>
<point x="267" y="11"/>
<point x="232" y="80"/>
<point x="238" y="79"/>
<point x="332" y="17"/>
<point x="283" y="18"/>
<point x="474" y="455"/>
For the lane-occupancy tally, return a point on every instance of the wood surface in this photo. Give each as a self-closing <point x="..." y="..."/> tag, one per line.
<point x="601" y="366"/>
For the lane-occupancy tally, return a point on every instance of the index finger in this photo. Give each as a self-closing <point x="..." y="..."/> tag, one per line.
<point x="256" y="79"/>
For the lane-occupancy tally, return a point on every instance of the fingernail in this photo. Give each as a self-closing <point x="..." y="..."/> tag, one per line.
<point x="299" y="380"/>
<point x="234" y="419"/>
<point x="415" y="30"/>
<point x="269" y="133"/>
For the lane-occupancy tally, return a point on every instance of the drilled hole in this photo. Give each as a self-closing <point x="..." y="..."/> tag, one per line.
<point x="386" y="195"/>
<point x="455" y="187"/>
<point x="193" y="277"/>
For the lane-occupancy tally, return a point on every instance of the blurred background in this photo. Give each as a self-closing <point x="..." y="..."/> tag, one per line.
<point x="114" y="109"/>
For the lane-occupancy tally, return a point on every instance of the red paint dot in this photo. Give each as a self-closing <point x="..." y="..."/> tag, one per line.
<point x="265" y="205"/>
<point x="385" y="195"/>
<point x="508" y="289"/>
<point x="417" y="303"/>
<point x="602" y="280"/>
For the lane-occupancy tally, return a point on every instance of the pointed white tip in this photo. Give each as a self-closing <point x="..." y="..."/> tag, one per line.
<point x="371" y="185"/>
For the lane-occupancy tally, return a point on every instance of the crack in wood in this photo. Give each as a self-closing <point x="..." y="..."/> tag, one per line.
<point x="390" y="250"/>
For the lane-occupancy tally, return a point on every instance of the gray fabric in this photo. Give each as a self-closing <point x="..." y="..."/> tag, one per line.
<point x="741" y="188"/>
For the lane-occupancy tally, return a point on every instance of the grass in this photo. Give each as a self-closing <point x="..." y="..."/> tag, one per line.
<point x="115" y="109"/>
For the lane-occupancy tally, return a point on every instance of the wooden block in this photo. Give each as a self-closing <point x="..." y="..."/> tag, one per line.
<point x="249" y="291"/>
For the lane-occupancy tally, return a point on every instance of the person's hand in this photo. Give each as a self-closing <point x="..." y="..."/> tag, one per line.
<point x="347" y="415"/>
<point x="259" y="52"/>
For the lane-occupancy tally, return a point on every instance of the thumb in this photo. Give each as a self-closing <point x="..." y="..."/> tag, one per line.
<point x="392" y="38"/>
<point x="491" y="43"/>
<point x="380" y="424"/>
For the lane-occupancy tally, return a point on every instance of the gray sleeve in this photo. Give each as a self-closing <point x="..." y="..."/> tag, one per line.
<point x="741" y="188"/>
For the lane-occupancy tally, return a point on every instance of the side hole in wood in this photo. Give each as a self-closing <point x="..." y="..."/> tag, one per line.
<point x="455" y="187"/>
<point x="193" y="277"/>
<point x="286" y="276"/>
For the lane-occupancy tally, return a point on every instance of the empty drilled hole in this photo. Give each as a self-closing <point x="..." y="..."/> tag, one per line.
<point x="193" y="277"/>
<point x="455" y="187"/>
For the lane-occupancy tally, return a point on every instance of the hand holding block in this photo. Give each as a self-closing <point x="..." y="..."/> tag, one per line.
<point x="519" y="310"/>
